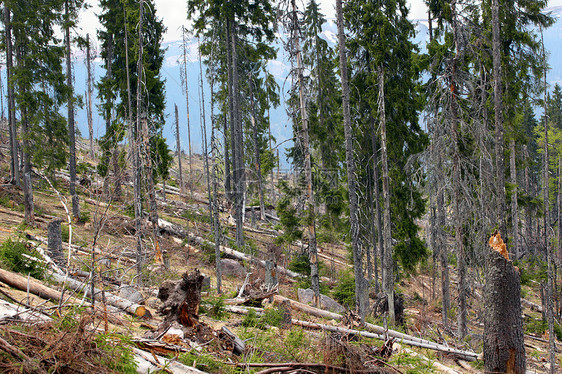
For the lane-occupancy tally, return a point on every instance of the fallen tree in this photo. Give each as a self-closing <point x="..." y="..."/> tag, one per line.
<point x="404" y="339"/>
<point x="113" y="300"/>
<point x="377" y="332"/>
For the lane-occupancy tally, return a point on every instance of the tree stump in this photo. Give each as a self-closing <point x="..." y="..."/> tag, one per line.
<point x="54" y="242"/>
<point x="271" y="280"/>
<point x="504" y="350"/>
<point x="181" y="300"/>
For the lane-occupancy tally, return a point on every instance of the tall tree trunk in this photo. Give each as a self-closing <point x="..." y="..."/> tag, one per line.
<point x="443" y="252"/>
<point x="227" y="173"/>
<point x="547" y="245"/>
<point x="257" y="156"/>
<point x="311" y="219"/>
<point x="238" y="150"/>
<point x="137" y="162"/>
<point x="514" y="205"/>
<point x="14" y="162"/>
<point x="457" y="194"/>
<point x="528" y="209"/>
<point x="378" y="211"/>
<point x="360" y="283"/>
<point x="90" y="91"/>
<point x="214" y="172"/>
<point x="498" y="118"/>
<point x="388" y="263"/>
<point x="187" y="109"/>
<point x="107" y="111"/>
<point x="71" y="130"/>
<point x="204" y="136"/>
<point x="178" y="148"/>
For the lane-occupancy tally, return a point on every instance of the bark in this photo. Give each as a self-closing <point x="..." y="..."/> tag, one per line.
<point x="14" y="162"/>
<point x="238" y="151"/>
<point x="239" y="344"/>
<point x="388" y="263"/>
<point x="256" y="150"/>
<point x="514" y="206"/>
<point x="528" y="209"/>
<point x="457" y="194"/>
<point x="109" y="62"/>
<point x="547" y="244"/>
<point x="498" y="117"/>
<point x="504" y="350"/>
<point x="443" y="253"/>
<point x="360" y="283"/>
<point x="311" y="219"/>
<point x="187" y="111"/>
<point x="136" y="154"/>
<point x="378" y="216"/>
<point x="178" y="149"/>
<point x="54" y="241"/>
<point x="227" y="173"/>
<point x="23" y="284"/>
<point x="27" y="186"/>
<point x="90" y="91"/>
<point x="71" y="130"/>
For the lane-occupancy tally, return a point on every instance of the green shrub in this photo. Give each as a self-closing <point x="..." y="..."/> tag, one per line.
<point x="65" y="232"/>
<point x="251" y="319"/>
<point x="13" y="257"/>
<point x="215" y="307"/>
<point x="535" y="326"/>
<point x="344" y="292"/>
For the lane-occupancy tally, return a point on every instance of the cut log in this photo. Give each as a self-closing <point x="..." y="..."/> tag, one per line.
<point x="12" y="311"/>
<point x="113" y="300"/>
<point x="21" y="283"/>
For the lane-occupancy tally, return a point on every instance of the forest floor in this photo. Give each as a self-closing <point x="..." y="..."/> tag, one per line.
<point x="109" y="336"/>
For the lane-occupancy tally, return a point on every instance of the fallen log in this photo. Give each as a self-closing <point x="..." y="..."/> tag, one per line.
<point x="531" y="305"/>
<point x="373" y="328"/>
<point x="242" y="256"/>
<point x="239" y="345"/>
<point x="436" y="364"/>
<point x="113" y="300"/>
<point x="22" y="283"/>
<point x="464" y="355"/>
<point x="152" y="363"/>
<point x="309" y="367"/>
<point x="9" y="311"/>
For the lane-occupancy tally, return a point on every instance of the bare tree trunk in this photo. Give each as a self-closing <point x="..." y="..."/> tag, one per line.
<point x="90" y="83"/>
<point x="528" y="209"/>
<point x="178" y="149"/>
<point x="108" y="112"/>
<point x="459" y="244"/>
<point x="388" y="263"/>
<point x="227" y="173"/>
<point x="256" y="149"/>
<point x="498" y="117"/>
<point x="204" y="137"/>
<point x="514" y="195"/>
<point x="547" y="244"/>
<point x="360" y="283"/>
<point x="71" y="130"/>
<point x="311" y="219"/>
<point x="214" y="172"/>
<point x="378" y="212"/>
<point x="443" y="253"/>
<point x="238" y="144"/>
<point x="14" y="162"/>
<point x="136" y="163"/>
<point x="187" y="109"/>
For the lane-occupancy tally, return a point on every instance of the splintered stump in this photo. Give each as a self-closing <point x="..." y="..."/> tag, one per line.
<point x="181" y="300"/>
<point x="504" y="350"/>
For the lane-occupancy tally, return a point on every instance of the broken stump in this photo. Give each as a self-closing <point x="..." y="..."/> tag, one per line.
<point x="181" y="300"/>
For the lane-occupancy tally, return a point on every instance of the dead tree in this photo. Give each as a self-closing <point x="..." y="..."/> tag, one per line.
<point x="14" y="162"/>
<point x="90" y="85"/>
<point x="178" y="149"/>
<point x="360" y="283"/>
<point x="504" y="350"/>
<point x="187" y="108"/>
